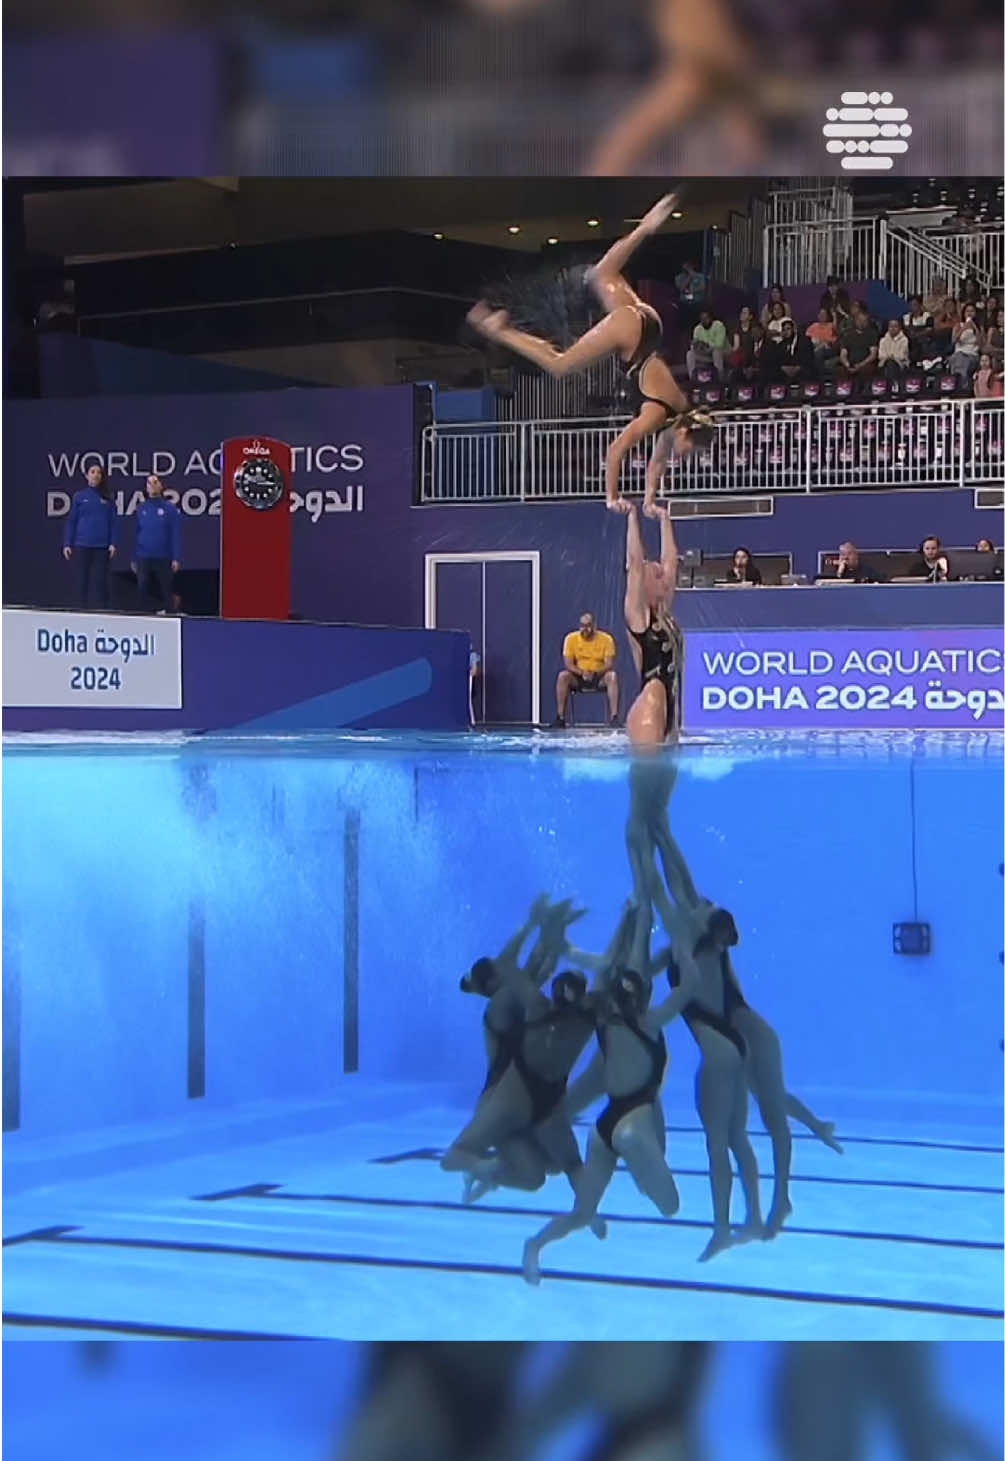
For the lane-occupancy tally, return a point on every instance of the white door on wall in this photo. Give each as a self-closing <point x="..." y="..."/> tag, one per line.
<point x="496" y="598"/>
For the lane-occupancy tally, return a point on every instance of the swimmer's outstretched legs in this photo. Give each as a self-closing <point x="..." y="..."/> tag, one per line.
<point x="716" y="1088"/>
<point x="822" y="1130"/>
<point x="767" y="1084"/>
<point x="593" y="1182"/>
<point x="502" y="1111"/>
<point x="746" y="1161"/>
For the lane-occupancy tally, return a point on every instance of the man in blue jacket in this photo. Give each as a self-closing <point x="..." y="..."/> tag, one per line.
<point x="158" y="547"/>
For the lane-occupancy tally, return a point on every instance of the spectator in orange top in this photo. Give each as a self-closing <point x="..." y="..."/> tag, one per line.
<point x="822" y="334"/>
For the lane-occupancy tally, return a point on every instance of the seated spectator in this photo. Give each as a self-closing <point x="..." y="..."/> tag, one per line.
<point x="947" y="317"/>
<point x="822" y="335"/>
<point x="919" y="326"/>
<point x="938" y="293"/>
<point x="708" y="344"/>
<point x="859" y="347"/>
<point x="777" y="315"/>
<point x="835" y="298"/>
<point x="970" y="291"/>
<point x="894" y="351"/>
<point x="692" y="286"/>
<point x="775" y="296"/>
<point x="850" y="568"/>
<point x="743" y="569"/>
<point x="968" y="341"/>
<point x="985" y="545"/>
<point x="987" y="380"/>
<point x="793" y="356"/>
<point x="743" y="329"/>
<point x="751" y="367"/>
<point x="933" y="563"/>
<point x="589" y="655"/>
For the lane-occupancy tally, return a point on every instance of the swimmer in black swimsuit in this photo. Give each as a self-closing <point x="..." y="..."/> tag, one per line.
<point x="525" y="1121"/>
<point x="633" y="332"/>
<point x="510" y="992"/>
<point x="765" y="1077"/>
<point x="720" y="1085"/>
<point x="654" y="636"/>
<point x="631" y="1126"/>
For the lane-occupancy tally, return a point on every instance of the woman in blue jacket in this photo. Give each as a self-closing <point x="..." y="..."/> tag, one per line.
<point x="158" y="547"/>
<point x="91" y="530"/>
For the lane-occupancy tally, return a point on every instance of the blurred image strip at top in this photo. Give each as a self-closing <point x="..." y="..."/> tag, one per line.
<point x="492" y="87"/>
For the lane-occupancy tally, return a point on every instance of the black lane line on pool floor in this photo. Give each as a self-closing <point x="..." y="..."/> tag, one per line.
<point x="806" y="1136"/>
<point x="434" y="1154"/>
<point x="72" y="1238"/>
<point x="275" y="1192"/>
<point x="129" y="1329"/>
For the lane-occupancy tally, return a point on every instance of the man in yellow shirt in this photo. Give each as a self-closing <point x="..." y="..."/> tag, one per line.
<point x="589" y="654"/>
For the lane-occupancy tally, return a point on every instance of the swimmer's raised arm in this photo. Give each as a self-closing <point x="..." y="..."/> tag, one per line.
<point x="510" y="951"/>
<point x="689" y="986"/>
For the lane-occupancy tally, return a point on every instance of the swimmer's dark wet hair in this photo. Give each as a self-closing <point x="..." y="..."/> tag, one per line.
<point x="560" y="307"/>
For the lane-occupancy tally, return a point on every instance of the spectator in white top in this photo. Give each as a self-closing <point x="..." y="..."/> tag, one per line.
<point x="968" y="341"/>
<point x="777" y="315"/>
<point x="894" y="351"/>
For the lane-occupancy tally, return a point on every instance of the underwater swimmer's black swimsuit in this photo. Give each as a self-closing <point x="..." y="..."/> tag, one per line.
<point x="619" y="1106"/>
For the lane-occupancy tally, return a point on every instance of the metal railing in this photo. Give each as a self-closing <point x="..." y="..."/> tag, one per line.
<point x="736" y="255"/>
<point x="807" y="252"/>
<point x="940" y="443"/>
<point x="980" y="251"/>
<point x="908" y="259"/>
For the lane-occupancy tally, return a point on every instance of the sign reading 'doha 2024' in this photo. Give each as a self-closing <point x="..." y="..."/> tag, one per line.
<point x="90" y="660"/>
<point x="892" y="679"/>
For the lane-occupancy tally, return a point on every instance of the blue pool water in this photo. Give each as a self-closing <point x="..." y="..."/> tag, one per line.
<point x="234" y="1045"/>
<point x="251" y="1402"/>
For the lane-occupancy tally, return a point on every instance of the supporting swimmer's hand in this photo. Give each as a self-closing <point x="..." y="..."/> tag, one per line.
<point x="620" y="504"/>
<point x="655" y="511"/>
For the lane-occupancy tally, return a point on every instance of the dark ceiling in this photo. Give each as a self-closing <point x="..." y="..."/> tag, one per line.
<point x="87" y="223"/>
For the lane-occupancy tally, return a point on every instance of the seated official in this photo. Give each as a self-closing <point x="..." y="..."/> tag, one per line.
<point x="589" y="655"/>
<point x="933" y="563"/>
<point x="850" y="568"/>
<point x="743" y="569"/>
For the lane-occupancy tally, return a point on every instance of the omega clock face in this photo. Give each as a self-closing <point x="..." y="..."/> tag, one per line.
<point x="259" y="483"/>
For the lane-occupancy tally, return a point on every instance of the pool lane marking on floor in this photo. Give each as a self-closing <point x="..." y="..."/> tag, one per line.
<point x="126" y="1328"/>
<point x="71" y="1238"/>
<point x="807" y="1136"/>
<point x="275" y="1192"/>
<point x="434" y="1154"/>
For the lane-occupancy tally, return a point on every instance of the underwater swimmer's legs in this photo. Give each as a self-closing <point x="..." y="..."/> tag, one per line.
<point x="593" y="1183"/>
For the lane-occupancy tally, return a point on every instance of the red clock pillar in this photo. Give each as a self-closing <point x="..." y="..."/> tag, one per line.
<point x="255" y="529"/>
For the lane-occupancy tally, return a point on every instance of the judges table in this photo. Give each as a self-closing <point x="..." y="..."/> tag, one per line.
<point x="856" y="656"/>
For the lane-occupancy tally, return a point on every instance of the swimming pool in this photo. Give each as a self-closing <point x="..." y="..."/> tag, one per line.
<point x="234" y="1046"/>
